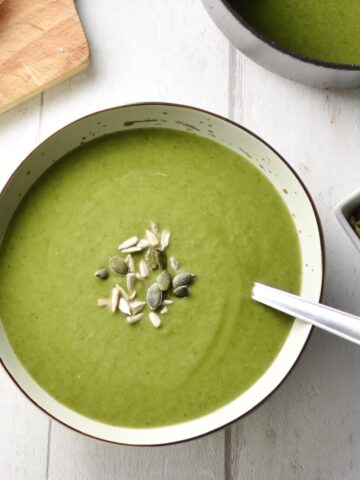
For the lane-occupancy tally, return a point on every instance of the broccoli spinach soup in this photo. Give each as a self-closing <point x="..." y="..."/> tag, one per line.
<point x="81" y="229"/>
<point x="327" y="30"/>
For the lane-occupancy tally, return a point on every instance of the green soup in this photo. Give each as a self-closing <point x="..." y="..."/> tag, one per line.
<point x="327" y="30"/>
<point x="228" y="225"/>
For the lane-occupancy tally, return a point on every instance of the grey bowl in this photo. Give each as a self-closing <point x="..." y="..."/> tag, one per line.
<point x="276" y="59"/>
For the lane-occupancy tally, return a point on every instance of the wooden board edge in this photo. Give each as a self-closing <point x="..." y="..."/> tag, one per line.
<point x="74" y="71"/>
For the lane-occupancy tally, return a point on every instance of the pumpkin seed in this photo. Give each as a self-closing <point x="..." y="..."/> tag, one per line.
<point x="183" y="278"/>
<point x="144" y="269"/>
<point x="151" y="258"/>
<point x="154" y="296"/>
<point x="122" y="291"/>
<point x="164" y="281"/>
<point x="163" y="310"/>
<point x="134" y="318"/>
<point x="161" y="258"/>
<point x="165" y="239"/>
<point x="118" y="265"/>
<point x="103" y="302"/>
<point x="130" y="281"/>
<point x="181" y="292"/>
<point x="130" y="242"/>
<point x="103" y="273"/>
<point x="137" y="307"/>
<point x="115" y="295"/>
<point x="175" y="265"/>
<point x="155" y="319"/>
<point x="152" y="238"/>
<point x="124" y="306"/>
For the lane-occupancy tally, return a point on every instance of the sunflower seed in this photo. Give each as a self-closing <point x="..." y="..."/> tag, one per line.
<point x="161" y="259"/>
<point x="137" y="307"/>
<point x="175" y="265"/>
<point x="151" y="258"/>
<point x="103" y="274"/>
<point x="144" y="269"/>
<point x="164" y="310"/>
<point x="134" y="318"/>
<point x="154" y="319"/>
<point x="103" y="302"/>
<point x="131" y="263"/>
<point x="154" y="296"/>
<point x="132" y="295"/>
<point x="154" y="228"/>
<point x="181" y="291"/>
<point x="183" y="278"/>
<point x="167" y="302"/>
<point x="124" y="306"/>
<point x="153" y="239"/>
<point x="122" y="291"/>
<point x="118" y="266"/>
<point x="164" y="281"/>
<point x="130" y="242"/>
<point x="143" y="243"/>
<point x="134" y="249"/>
<point x="165" y="239"/>
<point x="115" y="295"/>
<point x="130" y="281"/>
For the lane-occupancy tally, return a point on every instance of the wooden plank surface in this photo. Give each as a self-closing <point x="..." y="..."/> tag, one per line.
<point x="42" y="43"/>
<point x="171" y="51"/>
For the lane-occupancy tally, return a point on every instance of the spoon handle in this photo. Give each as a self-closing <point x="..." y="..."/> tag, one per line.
<point x="339" y="323"/>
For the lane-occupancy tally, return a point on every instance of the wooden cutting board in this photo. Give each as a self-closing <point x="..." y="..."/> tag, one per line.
<point x="42" y="43"/>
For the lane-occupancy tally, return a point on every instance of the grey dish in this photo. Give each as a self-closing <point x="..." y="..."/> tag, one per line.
<point x="276" y="59"/>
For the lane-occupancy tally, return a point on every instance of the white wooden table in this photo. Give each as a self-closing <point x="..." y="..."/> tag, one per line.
<point x="170" y="51"/>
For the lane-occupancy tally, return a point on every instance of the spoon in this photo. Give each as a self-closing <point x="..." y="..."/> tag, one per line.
<point x="334" y="321"/>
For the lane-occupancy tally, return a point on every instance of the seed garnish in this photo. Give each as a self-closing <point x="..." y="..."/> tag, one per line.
<point x="152" y="238"/>
<point x="154" y="319"/>
<point x="154" y="296"/>
<point x="123" y="292"/>
<point x="175" y="265"/>
<point x="165" y="239"/>
<point x="134" y="318"/>
<point x="130" y="281"/>
<point x="118" y="265"/>
<point x="181" y="292"/>
<point x="115" y="295"/>
<point x="130" y="242"/>
<point x="164" y="281"/>
<point x="103" y="302"/>
<point x="158" y="293"/>
<point x="183" y="278"/>
<point x="144" y="269"/>
<point x="135" y="249"/>
<point x="143" y="243"/>
<point x="124" y="307"/>
<point x="137" y="307"/>
<point x="103" y="273"/>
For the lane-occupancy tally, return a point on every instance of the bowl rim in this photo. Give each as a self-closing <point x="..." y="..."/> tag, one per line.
<point x="322" y="249"/>
<point x="354" y="67"/>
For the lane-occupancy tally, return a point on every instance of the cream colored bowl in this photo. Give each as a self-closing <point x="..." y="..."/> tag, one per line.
<point x="257" y="152"/>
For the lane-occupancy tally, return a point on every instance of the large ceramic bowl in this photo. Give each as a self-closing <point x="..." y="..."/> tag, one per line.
<point x="279" y="60"/>
<point x="269" y="164"/>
